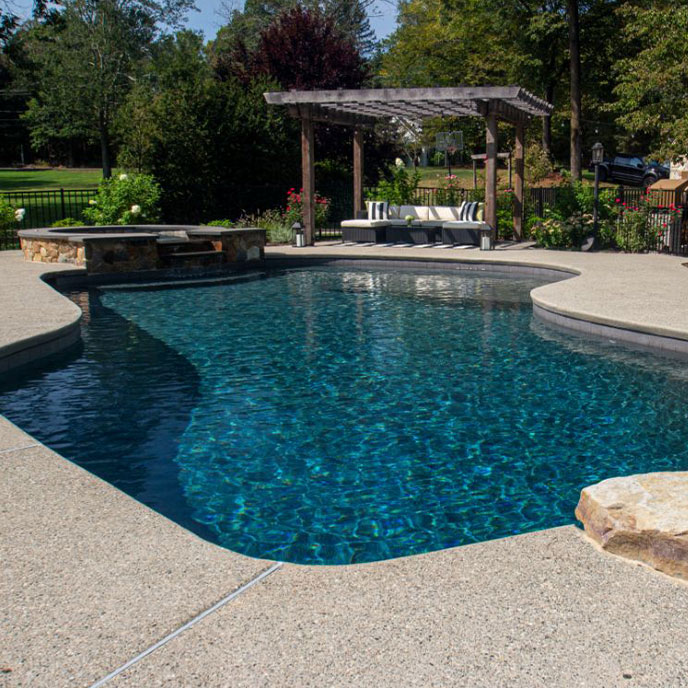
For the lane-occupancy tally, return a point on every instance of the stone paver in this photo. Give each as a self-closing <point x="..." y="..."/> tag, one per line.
<point x="89" y="577"/>
<point x="538" y="610"/>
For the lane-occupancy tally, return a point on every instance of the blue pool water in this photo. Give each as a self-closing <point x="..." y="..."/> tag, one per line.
<point x="329" y="416"/>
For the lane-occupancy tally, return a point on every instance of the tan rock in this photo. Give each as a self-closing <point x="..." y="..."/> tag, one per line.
<point x="642" y="517"/>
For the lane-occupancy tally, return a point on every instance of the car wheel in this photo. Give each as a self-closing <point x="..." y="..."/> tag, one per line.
<point x="648" y="181"/>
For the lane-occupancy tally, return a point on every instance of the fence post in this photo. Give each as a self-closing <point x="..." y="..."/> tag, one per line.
<point x="62" y="203"/>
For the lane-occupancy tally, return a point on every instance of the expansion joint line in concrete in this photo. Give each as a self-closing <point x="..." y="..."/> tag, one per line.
<point x="277" y="565"/>
<point x="19" y="448"/>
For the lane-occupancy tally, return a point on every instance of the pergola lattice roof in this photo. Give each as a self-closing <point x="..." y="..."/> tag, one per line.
<point x="360" y="107"/>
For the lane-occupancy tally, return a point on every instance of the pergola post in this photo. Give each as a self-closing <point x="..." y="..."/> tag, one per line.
<point x="518" y="180"/>
<point x="307" y="176"/>
<point x="491" y="168"/>
<point x="358" y="171"/>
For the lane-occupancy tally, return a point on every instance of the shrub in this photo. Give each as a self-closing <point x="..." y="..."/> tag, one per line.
<point x="125" y="199"/>
<point x="538" y="165"/>
<point x="229" y="224"/>
<point x="505" y="214"/>
<point x="400" y="189"/>
<point x="553" y="232"/>
<point x="294" y="210"/>
<point x="273" y="222"/>
<point x="10" y="217"/>
<point x="68" y="222"/>
<point x="633" y="234"/>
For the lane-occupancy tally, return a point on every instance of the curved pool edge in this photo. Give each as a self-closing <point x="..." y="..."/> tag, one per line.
<point x="634" y="298"/>
<point x="82" y="555"/>
<point x="37" y="320"/>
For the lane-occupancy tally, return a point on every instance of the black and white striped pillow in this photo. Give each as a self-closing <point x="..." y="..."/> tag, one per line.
<point x="468" y="212"/>
<point x="378" y="210"/>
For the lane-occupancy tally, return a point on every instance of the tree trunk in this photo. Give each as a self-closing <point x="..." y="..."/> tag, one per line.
<point x="104" y="149"/>
<point x="547" y="123"/>
<point x="574" y="52"/>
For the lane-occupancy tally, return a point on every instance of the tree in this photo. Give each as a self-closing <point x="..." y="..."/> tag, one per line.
<point x="330" y="60"/>
<point x="87" y="61"/>
<point x="241" y="35"/>
<point x="651" y="88"/>
<point x="575" y="66"/>
<point x="213" y="145"/>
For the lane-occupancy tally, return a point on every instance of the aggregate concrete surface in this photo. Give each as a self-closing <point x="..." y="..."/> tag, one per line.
<point x="89" y="577"/>
<point x="538" y="610"/>
<point x="31" y="310"/>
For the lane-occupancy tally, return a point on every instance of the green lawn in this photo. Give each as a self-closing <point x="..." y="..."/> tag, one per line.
<point x="46" y="179"/>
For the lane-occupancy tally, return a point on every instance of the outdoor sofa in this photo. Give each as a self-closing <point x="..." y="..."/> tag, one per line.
<point x="387" y="224"/>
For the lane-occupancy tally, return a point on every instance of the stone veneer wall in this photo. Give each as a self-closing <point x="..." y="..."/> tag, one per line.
<point x="244" y="247"/>
<point x="103" y="254"/>
<point x="53" y="251"/>
<point x="117" y="255"/>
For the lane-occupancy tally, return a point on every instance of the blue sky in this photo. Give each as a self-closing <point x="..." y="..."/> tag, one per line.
<point x="209" y="18"/>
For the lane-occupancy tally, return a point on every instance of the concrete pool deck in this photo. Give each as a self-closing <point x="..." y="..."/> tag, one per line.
<point x="90" y="578"/>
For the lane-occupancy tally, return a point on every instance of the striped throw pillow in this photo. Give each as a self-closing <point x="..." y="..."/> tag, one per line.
<point x="378" y="210"/>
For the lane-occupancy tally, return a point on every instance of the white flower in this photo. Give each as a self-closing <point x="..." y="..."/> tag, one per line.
<point x="399" y="162"/>
<point x="19" y="214"/>
<point x="123" y="176"/>
<point x="135" y="209"/>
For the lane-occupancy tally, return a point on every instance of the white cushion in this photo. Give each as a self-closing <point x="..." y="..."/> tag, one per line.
<point x="393" y="212"/>
<point x="443" y="213"/>
<point x="365" y="224"/>
<point x="377" y="210"/>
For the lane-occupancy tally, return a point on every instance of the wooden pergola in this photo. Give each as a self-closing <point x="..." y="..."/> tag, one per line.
<point x="362" y="108"/>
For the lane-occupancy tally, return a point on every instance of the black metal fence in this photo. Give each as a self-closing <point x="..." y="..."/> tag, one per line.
<point x="665" y="228"/>
<point x="42" y="208"/>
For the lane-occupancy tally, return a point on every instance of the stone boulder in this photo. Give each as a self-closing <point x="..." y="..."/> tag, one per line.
<point x="641" y="517"/>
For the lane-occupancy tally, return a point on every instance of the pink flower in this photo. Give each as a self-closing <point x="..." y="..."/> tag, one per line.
<point x="617" y="200"/>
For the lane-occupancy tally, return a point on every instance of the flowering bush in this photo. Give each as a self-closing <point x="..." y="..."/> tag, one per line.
<point x="400" y="188"/>
<point x="124" y="200"/>
<point x="294" y="210"/>
<point x="451" y="192"/>
<point x="553" y="232"/>
<point x="643" y="225"/>
<point x="10" y="217"/>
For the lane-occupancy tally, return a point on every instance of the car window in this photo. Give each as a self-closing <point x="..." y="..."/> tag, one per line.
<point x="621" y="160"/>
<point x="636" y="161"/>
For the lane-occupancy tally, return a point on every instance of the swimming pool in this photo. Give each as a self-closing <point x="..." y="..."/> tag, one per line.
<point x="329" y="416"/>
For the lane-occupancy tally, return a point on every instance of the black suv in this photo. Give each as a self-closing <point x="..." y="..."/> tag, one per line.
<point x="631" y="169"/>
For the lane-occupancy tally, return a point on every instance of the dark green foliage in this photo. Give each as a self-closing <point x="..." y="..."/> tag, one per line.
<point x="215" y="146"/>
